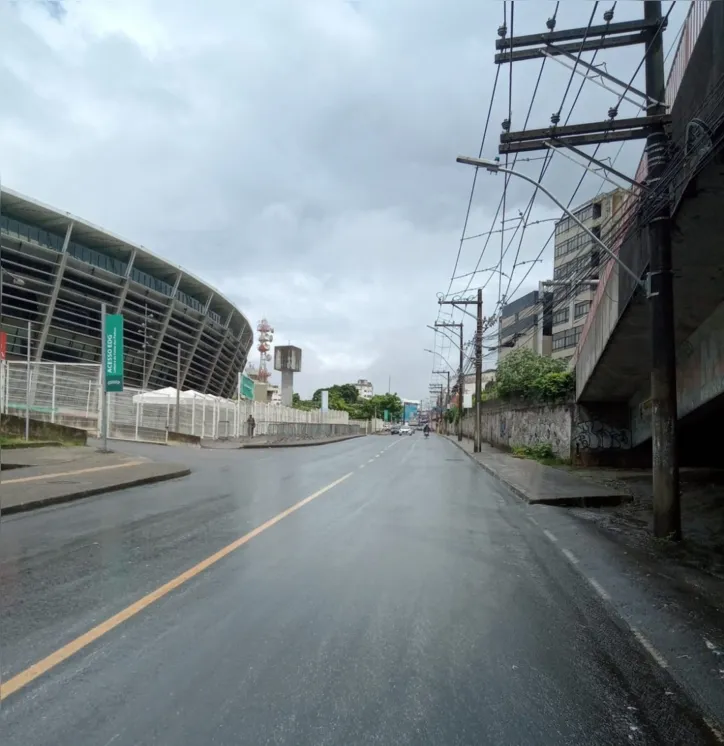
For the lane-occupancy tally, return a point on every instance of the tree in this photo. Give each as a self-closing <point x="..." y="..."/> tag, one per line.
<point x="340" y="397"/>
<point x="305" y="405"/>
<point x="525" y="375"/>
<point x="345" y="397"/>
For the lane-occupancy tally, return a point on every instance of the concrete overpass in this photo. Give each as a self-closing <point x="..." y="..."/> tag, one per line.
<point x="613" y="358"/>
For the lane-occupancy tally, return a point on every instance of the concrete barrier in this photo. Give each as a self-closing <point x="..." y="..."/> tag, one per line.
<point x="13" y="426"/>
<point x="185" y="438"/>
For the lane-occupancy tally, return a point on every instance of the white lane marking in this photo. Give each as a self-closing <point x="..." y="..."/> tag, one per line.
<point x="370" y="461"/>
<point x="715" y="730"/>
<point x="362" y="466"/>
<point x="533" y="520"/>
<point x="550" y="535"/>
<point x="570" y="556"/>
<point x="650" y="649"/>
<point x="599" y="589"/>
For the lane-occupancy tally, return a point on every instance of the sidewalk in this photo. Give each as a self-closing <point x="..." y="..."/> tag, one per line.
<point x="36" y="477"/>
<point x="537" y="483"/>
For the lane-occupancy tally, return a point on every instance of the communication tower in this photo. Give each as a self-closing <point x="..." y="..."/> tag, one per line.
<point x="266" y="337"/>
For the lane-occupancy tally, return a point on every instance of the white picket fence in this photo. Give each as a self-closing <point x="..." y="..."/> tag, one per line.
<point x="69" y="394"/>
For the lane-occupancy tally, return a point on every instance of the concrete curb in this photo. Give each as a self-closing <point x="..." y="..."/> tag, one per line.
<point x="591" y="501"/>
<point x="301" y="445"/>
<point x="92" y="491"/>
<point x="35" y="444"/>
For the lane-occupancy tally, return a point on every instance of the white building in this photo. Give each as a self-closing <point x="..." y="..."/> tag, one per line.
<point x="273" y="395"/>
<point x="365" y="389"/>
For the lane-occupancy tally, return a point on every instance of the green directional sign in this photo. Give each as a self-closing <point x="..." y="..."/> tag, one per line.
<point x="387" y="415"/>
<point x="247" y="387"/>
<point x="114" y="352"/>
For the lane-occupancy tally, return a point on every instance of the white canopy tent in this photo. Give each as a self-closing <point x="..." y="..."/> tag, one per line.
<point x="168" y="396"/>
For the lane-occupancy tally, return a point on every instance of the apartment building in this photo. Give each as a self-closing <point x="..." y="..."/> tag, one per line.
<point x="365" y="389"/>
<point x="577" y="258"/>
<point x="526" y="323"/>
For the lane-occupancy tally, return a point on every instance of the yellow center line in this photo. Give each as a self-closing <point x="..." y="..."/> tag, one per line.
<point x="31" y="673"/>
<point x="88" y="470"/>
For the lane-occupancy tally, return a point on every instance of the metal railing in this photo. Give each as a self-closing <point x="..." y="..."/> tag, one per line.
<point x="69" y="394"/>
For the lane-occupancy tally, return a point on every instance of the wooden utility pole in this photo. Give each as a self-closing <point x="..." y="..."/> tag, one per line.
<point x="477" y="443"/>
<point x="566" y="46"/>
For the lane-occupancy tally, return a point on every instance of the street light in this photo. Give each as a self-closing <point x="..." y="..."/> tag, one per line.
<point x="432" y="352"/>
<point x="495" y="167"/>
<point x="449" y="338"/>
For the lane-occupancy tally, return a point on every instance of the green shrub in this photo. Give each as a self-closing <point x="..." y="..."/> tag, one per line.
<point x="525" y="375"/>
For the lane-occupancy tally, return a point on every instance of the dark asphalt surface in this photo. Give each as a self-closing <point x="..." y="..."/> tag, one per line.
<point x="413" y="603"/>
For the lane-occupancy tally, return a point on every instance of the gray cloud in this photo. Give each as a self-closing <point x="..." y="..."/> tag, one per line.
<point x="299" y="155"/>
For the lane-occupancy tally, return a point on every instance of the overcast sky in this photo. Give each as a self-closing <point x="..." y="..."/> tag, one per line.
<point x="298" y="154"/>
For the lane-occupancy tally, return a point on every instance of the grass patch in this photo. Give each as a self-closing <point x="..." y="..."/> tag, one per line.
<point x="7" y="441"/>
<point x="541" y="452"/>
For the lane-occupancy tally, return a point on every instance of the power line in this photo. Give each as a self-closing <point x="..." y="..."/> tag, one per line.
<point x="548" y="155"/>
<point x="585" y="173"/>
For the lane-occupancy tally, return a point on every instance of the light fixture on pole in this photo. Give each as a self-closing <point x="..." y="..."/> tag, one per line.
<point x="495" y="167"/>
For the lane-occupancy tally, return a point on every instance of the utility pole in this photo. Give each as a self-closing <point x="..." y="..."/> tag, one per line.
<point x="178" y="389"/>
<point x="664" y="416"/>
<point x="461" y="375"/>
<point x="478" y="373"/>
<point x="477" y="443"/>
<point x="565" y="47"/>
<point x="447" y="399"/>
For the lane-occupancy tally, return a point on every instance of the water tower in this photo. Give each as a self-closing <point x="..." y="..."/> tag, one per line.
<point x="287" y="360"/>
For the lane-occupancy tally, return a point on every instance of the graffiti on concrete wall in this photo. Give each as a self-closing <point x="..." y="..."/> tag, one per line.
<point x="594" y="435"/>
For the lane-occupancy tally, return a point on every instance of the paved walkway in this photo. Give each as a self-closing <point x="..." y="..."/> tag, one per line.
<point x="36" y="477"/>
<point x="538" y="483"/>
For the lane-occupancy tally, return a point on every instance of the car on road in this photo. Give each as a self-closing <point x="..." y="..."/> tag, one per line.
<point x="394" y="430"/>
<point x="406" y="430"/>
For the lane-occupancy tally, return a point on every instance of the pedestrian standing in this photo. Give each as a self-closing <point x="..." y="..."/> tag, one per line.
<point x="251" y="424"/>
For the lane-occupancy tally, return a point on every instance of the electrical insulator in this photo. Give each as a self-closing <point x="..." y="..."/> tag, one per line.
<point x="608" y="15"/>
<point x="555" y="118"/>
<point x="551" y="24"/>
<point x="613" y="112"/>
<point x="502" y="31"/>
<point x="505" y="124"/>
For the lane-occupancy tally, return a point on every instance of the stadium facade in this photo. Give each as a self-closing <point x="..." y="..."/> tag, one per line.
<point x="57" y="270"/>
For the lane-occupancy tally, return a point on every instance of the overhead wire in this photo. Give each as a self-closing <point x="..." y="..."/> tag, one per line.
<point x="525" y="124"/>
<point x="546" y="160"/>
<point x="571" y="293"/>
<point x="551" y="153"/>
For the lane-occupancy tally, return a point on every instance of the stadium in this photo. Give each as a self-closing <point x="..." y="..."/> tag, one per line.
<point x="57" y="270"/>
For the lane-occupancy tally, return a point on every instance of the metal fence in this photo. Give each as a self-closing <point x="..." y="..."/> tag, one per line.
<point x="69" y="394"/>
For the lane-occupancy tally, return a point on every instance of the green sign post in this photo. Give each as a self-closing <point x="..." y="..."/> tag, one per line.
<point x="246" y="389"/>
<point x="387" y="415"/>
<point x="114" y="352"/>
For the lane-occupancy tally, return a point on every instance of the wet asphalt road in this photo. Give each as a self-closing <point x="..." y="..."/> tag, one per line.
<point x="412" y="603"/>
